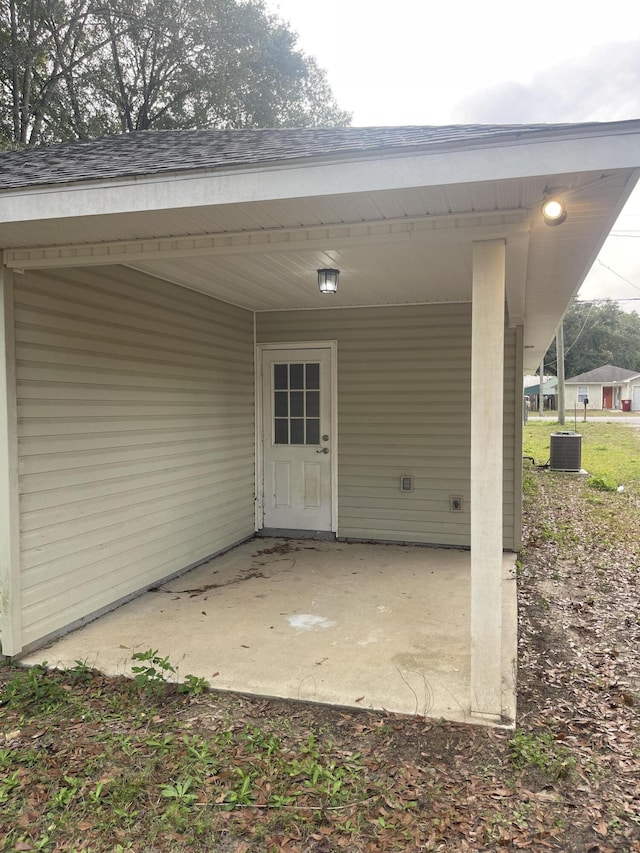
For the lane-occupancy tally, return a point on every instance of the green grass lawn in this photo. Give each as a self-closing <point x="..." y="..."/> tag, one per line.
<point x="609" y="450"/>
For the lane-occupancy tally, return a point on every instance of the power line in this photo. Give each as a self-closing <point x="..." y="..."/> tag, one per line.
<point x="605" y="299"/>
<point x="637" y="287"/>
<point x="575" y="340"/>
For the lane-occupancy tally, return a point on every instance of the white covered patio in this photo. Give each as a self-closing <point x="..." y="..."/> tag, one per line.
<point x="141" y="278"/>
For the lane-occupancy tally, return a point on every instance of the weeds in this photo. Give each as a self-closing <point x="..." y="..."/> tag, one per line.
<point x="193" y="685"/>
<point x="150" y="675"/>
<point x="153" y="671"/>
<point x="601" y="484"/>
<point x="35" y="689"/>
<point x="180" y="791"/>
<point x="529" y="482"/>
<point x="542" y="752"/>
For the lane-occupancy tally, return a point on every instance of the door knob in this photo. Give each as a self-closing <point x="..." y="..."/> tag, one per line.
<point x="323" y="450"/>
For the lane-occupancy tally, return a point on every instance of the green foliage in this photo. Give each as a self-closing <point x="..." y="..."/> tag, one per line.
<point x="542" y="752"/>
<point x="601" y="484"/>
<point x="7" y="784"/>
<point x="61" y="798"/>
<point x="180" y="791"/>
<point x="529" y="482"/>
<point x="153" y="671"/>
<point x="35" y="689"/>
<point x="151" y="674"/>
<point x="242" y="793"/>
<point x="562" y="533"/>
<point x="81" y="673"/>
<point x="193" y="685"/>
<point x="598" y="333"/>
<point x="82" y="68"/>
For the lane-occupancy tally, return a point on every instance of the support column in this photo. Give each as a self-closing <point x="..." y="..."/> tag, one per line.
<point x="487" y="399"/>
<point x="560" y="371"/>
<point x="10" y="605"/>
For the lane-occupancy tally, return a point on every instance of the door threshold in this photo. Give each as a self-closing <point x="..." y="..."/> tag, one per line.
<point x="289" y="533"/>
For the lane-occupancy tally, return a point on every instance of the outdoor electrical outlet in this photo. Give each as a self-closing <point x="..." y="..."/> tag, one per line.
<point x="455" y="503"/>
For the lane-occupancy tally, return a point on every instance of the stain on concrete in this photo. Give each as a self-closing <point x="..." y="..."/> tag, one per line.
<point x="310" y="622"/>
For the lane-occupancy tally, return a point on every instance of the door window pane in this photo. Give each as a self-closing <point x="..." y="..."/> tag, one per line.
<point x="312" y="376"/>
<point x="281" y="431"/>
<point x="296" y="375"/>
<point x="313" y="404"/>
<point x="296" y="403"/>
<point x="281" y="404"/>
<point x="281" y="376"/>
<point x="297" y="430"/>
<point x="313" y="431"/>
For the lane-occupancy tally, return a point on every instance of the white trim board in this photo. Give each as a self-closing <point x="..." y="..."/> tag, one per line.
<point x="10" y="603"/>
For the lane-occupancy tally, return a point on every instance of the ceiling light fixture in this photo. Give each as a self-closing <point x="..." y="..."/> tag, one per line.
<point x="328" y="280"/>
<point x="554" y="211"/>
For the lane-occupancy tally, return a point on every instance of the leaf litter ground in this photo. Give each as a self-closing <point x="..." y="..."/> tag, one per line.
<point x="89" y="763"/>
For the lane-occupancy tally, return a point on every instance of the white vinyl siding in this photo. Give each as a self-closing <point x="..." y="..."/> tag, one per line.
<point x="136" y="437"/>
<point x="403" y="409"/>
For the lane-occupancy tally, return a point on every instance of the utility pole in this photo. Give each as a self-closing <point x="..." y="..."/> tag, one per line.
<point x="560" y="371"/>
<point x="540" y="391"/>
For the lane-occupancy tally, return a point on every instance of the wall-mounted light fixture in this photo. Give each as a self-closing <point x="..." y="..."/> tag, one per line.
<point x="328" y="280"/>
<point x="554" y="211"/>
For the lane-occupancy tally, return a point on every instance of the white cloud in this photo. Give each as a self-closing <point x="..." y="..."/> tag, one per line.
<point x="602" y="85"/>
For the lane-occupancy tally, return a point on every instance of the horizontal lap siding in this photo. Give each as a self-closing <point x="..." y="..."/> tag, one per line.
<point x="512" y="444"/>
<point x="136" y="437"/>
<point x="403" y="409"/>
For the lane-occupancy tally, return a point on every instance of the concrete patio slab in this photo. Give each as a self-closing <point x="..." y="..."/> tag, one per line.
<point x="357" y="625"/>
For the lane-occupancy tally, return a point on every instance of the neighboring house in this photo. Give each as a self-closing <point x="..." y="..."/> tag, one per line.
<point x="172" y="380"/>
<point x="549" y="391"/>
<point x="605" y="387"/>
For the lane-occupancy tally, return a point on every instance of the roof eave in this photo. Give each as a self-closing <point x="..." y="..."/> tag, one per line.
<point x="327" y="176"/>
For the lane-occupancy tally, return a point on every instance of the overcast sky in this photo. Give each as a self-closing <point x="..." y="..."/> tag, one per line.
<point x="457" y="62"/>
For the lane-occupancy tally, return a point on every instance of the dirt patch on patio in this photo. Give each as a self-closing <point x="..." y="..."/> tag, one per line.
<point x="279" y="552"/>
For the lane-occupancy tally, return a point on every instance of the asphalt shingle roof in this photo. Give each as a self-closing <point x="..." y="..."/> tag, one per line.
<point x="162" y="151"/>
<point x="606" y="373"/>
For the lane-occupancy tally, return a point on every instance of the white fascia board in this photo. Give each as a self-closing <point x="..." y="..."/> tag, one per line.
<point x="598" y="152"/>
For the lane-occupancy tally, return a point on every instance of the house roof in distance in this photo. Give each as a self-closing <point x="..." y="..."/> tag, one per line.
<point x="604" y="374"/>
<point x="152" y="152"/>
<point x="549" y="386"/>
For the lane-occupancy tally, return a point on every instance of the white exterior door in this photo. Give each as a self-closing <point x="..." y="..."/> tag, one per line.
<point x="635" y="400"/>
<point x="297" y="444"/>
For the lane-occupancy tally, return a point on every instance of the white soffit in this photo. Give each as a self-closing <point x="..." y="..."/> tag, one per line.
<point x="309" y="211"/>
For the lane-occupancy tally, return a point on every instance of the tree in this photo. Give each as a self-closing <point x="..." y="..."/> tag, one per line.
<point x="598" y="333"/>
<point x="81" y="68"/>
